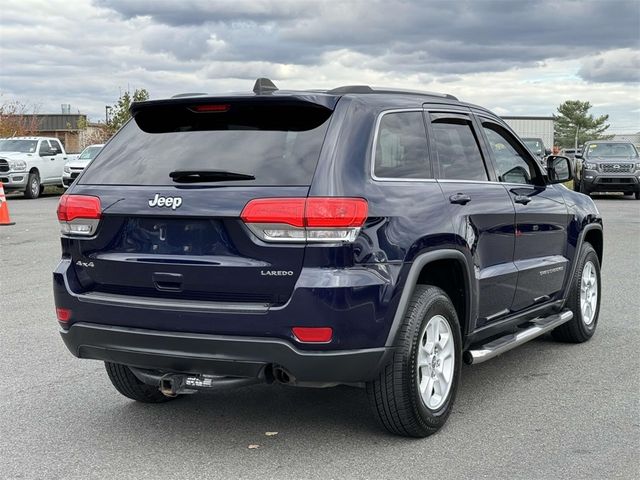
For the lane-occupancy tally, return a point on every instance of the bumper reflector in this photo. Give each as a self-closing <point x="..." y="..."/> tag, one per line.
<point x="313" y="334"/>
<point x="63" y="314"/>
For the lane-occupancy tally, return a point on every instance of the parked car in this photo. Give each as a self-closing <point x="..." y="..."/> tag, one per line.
<point x="609" y="166"/>
<point x="536" y="146"/>
<point x="27" y="164"/>
<point x="74" y="167"/>
<point x="375" y="238"/>
<point x="570" y="153"/>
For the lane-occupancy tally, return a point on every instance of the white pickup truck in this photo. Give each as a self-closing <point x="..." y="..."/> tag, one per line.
<point x="29" y="163"/>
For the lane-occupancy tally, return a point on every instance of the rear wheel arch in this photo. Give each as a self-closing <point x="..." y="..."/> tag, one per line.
<point x="447" y="269"/>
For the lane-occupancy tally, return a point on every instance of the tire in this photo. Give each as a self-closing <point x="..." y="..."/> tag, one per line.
<point x="128" y="385"/>
<point x="583" y="324"/>
<point x="394" y="395"/>
<point x="33" y="186"/>
<point x="637" y="195"/>
<point x="584" y="189"/>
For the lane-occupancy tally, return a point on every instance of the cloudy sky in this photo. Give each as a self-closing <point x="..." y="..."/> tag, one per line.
<point x="514" y="57"/>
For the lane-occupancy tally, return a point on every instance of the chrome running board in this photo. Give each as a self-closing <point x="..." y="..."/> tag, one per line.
<point x="539" y="326"/>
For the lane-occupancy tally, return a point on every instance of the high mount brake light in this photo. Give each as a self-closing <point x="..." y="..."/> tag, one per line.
<point x="210" y="108"/>
<point x="79" y="214"/>
<point x="314" y="219"/>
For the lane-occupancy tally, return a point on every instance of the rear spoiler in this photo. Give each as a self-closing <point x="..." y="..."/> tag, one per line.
<point x="272" y="112"/>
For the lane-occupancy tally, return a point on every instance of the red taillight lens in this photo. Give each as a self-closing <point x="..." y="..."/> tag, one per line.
<point x="313" y="334"/>
<point x="78" y="206"/>
<point x="335" y="212"/>
<point x="289" y="211"/>
<point x="315" y="219"/>
<point x="211" y="108"/>
<point x="63" y="314"/>
<point x="79" y="214"/>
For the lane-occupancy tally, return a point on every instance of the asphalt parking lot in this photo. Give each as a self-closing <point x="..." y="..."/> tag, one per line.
<point x="543" y="411"/>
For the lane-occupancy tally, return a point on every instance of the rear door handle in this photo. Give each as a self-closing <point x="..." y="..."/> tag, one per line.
<point x="460" y="198"/>
<point x="523" y="199"/>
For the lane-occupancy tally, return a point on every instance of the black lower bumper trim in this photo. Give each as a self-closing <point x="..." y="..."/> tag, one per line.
<point x="219" y="355"/>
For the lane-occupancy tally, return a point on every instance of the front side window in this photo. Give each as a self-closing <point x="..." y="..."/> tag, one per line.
<point x="458" y="152"/>
<point x="512" y="167"/>
<point x="45" y="149"/>
<point x="401" y="147"/>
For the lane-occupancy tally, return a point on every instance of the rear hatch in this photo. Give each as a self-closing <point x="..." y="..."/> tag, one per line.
<point x="172" y="186"/>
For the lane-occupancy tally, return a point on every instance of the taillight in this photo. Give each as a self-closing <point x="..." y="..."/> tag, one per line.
<point x="79" y="214"/>
<point x="314" y="219"/>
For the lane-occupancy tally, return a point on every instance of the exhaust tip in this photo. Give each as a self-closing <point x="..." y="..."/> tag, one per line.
<point x="281" y="375"/>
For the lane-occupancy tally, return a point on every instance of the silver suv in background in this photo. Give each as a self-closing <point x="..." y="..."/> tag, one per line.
<point x="74" y="167"/>
<point x="609" y="166"/>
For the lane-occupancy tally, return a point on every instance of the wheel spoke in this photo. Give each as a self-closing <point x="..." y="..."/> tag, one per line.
<point x="435" y="362"/>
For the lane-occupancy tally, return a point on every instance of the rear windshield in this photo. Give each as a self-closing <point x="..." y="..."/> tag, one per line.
<point x="276" y="145"/>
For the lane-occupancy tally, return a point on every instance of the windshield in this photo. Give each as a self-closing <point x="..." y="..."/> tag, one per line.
<point x="611" y="150"/>
<point x="22" y="146"/>
<point x="274" y="146"/>
<point x="534" y="144"/>
<point x="89" y="153"/>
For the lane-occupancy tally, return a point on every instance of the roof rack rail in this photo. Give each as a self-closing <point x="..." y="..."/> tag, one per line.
<point x="367" y="89"/>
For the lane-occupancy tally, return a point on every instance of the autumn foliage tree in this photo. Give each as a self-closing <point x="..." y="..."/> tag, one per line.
<point x="17" y="119"/>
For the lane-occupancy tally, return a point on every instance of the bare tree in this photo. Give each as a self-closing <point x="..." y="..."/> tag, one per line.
<point x="17" y="119"/>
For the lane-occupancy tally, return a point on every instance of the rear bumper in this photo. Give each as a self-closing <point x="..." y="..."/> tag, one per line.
<point x="219" y="354"/>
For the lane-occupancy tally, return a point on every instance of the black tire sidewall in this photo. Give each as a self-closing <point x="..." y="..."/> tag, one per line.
<point x="438" y="305"/>
<point x="588" y="255"/>
<point x="29" y="193"/>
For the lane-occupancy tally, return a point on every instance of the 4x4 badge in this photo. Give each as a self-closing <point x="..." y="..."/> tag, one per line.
<point x="169" y="202"/>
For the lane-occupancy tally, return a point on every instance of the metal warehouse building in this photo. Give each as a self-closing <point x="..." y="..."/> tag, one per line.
<point x="533" y="127"/>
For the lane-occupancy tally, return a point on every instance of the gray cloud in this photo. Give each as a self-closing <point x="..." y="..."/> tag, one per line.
<point x="613" y="66"/>
<point x="497" y="53"/>
<point x="445" y="37"/>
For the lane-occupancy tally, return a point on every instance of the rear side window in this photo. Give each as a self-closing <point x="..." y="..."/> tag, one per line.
<point x="401" y="147"/>
<point x="278" y="145"/>
<point x="458" y="152"/>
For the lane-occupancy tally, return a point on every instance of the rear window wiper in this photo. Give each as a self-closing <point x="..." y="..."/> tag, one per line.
<point x="195" y="176"/>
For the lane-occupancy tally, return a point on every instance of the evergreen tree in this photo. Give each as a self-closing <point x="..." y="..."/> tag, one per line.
<point x="574" y="125"/>
<point x="120" y="111"/>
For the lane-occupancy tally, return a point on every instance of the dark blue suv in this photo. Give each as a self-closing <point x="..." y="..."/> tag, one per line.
<point x="377" y="238"/>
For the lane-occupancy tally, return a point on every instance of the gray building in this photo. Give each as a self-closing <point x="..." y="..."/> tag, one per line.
<point x="532" y="127"/>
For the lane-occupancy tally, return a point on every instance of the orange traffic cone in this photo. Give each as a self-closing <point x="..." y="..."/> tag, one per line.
<point x="4" y="209"/>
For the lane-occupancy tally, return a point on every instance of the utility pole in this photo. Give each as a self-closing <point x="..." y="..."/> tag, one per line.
<point x="576" y="139"/>
<point x="107" y="111"/>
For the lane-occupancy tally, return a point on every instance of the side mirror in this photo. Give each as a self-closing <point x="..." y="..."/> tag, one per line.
<point x="578" y="155"/>
<point x="547" y="151"/>
<point x="558" y="169"/>
<point x="46" y="152"/>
